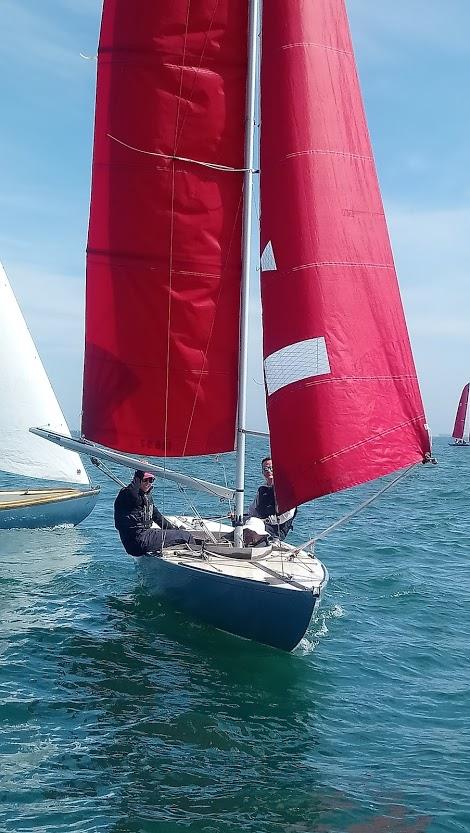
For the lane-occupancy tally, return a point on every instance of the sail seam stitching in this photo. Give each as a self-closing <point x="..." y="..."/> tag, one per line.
<point x="372" y="438"/>
<point x="342" y="263"/>
<point x="296" y="45"/>
<point x="321" y="151"/>
<point x="367" y="379"/>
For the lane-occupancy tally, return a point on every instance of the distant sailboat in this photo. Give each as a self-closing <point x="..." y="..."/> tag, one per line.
<point x="26" y="394"/>
<point x="168" y="269"/>
<point x="460" y="419"/>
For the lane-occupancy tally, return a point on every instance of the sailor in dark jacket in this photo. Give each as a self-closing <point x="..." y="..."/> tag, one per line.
<point x="264" y="506"/>
<point x="134" y="512"/>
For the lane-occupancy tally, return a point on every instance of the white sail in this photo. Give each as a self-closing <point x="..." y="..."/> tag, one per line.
<point x="27" y="399"/>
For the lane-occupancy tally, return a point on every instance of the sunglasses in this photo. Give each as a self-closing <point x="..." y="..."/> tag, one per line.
<point x="148" y="479"/>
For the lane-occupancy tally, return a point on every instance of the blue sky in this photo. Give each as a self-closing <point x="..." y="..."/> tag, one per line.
<point x="414" y="63"/>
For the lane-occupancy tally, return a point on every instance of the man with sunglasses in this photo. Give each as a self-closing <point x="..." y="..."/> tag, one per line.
<point x="264" y="505"/>
<point x="134" y="513"/>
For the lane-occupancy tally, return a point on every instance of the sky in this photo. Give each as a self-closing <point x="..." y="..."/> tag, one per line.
<point x="414" y="65"/>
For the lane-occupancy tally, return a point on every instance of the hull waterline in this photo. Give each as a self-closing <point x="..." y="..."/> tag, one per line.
<point x="266" y="613"/>
<point x="43" y="508"/>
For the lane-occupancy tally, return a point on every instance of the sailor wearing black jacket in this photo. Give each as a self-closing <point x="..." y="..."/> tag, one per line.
<point x="264" y="506"/>
<point x="134" y="513"/>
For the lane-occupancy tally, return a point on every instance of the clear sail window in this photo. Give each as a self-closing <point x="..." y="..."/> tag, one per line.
<point x="301" y="360"/>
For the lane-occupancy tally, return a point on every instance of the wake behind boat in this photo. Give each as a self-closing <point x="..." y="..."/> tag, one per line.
<point x="168" y="266"/>
<point x="27" y="395"/>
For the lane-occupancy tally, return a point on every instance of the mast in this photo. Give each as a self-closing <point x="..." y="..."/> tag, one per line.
<point x="246" y="266"/>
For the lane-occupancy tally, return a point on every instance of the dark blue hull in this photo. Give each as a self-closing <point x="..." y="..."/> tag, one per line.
<point x="272" y="615"/>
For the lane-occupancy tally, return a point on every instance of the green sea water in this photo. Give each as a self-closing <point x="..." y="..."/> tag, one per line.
<point x="120" y="715"/>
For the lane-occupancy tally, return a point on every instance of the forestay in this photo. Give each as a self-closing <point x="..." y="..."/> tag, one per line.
<point x="164" y="245"/>
<point x="343" y="399"/>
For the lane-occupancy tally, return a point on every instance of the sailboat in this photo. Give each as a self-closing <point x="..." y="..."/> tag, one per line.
<point x="170" y="251"/>
<point x="460" y="420"/>
<point x="27" y="395"/>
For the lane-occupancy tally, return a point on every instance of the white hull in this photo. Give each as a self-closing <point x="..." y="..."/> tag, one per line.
<point x="36" y="508"/>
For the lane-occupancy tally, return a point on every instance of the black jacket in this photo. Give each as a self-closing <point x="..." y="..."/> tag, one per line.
<point x="264" y="506"/>
<point x="134" y="512"/>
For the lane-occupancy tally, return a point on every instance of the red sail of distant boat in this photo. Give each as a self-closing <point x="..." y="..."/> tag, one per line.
<point x="343" y="400"/>
<point x="461" y="415"/>
<point x="164" y="244"/>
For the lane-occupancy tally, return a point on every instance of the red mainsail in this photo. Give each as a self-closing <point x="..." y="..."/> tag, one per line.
<point x="164" y="243"/>
<point x="343" y="400"/>
<point x="461" y="415"/>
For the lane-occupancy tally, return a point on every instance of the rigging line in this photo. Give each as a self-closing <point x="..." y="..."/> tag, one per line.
<point x="196" y="555"/>
<point x="100" y="465"/>
<point x="175" y="158"/>
<point x="209" y="338"/>
<point x="372" y="438"/>
<point x="282" y="577"/>
<point x="257" y="203"/>
<point x="170" y="263"/>
<point x="353" y="512"/>
<point x="197" y="515"/>
<point x="170" y="273"/>
<point x="191" y="94"/>
<point x="183" y="58"/>
<point x="172" y="229"/>
<point x="219" y="518"/>
<point x="220" y="460"/>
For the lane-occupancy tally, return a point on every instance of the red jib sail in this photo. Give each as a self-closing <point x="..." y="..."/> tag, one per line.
<point x="461" y="414"/>
<point x="343" y="399"/>
<point x="164" y="244"/>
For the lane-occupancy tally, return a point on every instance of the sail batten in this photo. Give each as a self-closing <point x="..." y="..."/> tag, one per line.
<point x="334" y="276"/>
